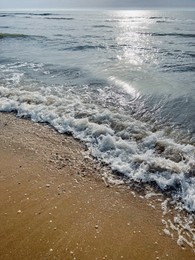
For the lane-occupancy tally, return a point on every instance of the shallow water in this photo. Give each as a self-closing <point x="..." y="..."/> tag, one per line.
<point x="121" y="81"/>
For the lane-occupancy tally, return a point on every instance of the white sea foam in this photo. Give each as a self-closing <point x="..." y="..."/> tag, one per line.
<point x="128" y="145"/>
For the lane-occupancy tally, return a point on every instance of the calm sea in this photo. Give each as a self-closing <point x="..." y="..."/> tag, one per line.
<point x="121" y="81"/>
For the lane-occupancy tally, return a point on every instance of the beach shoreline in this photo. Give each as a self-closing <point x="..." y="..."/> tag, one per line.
<point x="55" y="205"/>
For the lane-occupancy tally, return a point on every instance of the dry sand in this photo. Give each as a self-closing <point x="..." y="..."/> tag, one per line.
<point x="53" y="205"/>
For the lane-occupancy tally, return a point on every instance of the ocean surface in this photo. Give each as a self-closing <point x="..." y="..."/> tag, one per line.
<point x="123" y="82"/>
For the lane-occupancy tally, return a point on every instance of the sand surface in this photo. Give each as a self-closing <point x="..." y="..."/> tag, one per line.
<point x="53" y="205"/>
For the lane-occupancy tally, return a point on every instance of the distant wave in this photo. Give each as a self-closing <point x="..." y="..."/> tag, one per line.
<point x="58" y="35"/>
<point x="59" y="18"/>
<point x="122" y="19"/>
<point x="43" y="14"/>
<point x="36" y="14"/>
<point x="24" y="14"/>
<point x="180" y="68"/>
<point x="91" y="36"/>
<point x="191" y="44"/>
<point x="162" y="21"/>
<point x="5" y="15"/>
<point x="116" y="46"/>
<point x="156" y="17"/>
<point x="85" y="47"/>
<point x="190" y="54"/>
<point x="4" y="27"/>
<point x="18" y="36"/>
<point x="12" y="35"/>
<point x="112" y="20"/>
<point x="177" y="53"/>
<point x="185" y="35"/>
<point x="136" y="18"/>
<point x="101" y="26"/>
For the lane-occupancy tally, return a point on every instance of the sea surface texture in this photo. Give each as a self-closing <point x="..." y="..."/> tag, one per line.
<point x="121" y="81"/>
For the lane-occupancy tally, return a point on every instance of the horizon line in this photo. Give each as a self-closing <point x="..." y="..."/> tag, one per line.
<point x="100" y="9"/>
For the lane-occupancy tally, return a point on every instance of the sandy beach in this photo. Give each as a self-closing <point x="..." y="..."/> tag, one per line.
<point x="55" y="205"/>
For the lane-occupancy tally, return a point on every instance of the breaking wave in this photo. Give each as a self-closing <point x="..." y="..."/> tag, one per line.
<point x="128" y="145"/>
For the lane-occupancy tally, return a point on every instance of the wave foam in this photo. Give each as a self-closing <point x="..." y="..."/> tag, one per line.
<point x="142" y="156"/>
<point x="137" y="150"/>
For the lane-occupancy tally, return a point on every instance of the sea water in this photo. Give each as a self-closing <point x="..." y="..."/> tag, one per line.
<point x="123" y="82"/>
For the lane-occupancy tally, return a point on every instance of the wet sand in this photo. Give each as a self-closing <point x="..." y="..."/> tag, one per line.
<point x="54" y="205"/>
